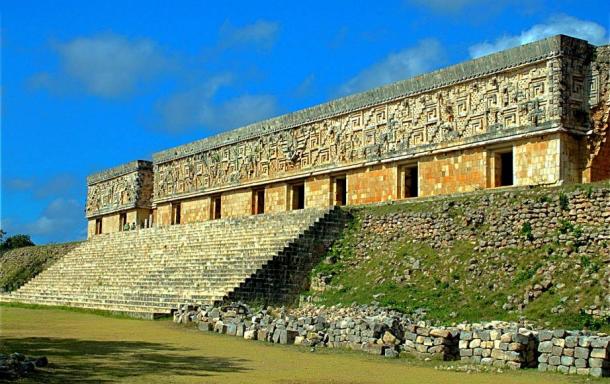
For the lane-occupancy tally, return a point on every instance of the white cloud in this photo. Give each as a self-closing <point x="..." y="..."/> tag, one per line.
<point x="18" y="184"/>
<point x="425" y="56"/>
<point x="105" y="65"/>
<point x="261" y="33"/>
<point x="306" y="86"/>
<point x="59" y="218"/>
<point x="242" y="110"/>
<point x="559" y="24"/>
<point x="197" y="108"/>
<point x="445" y="5"/>
<point x="57" y="185"/>
<point x="62" y="220"/>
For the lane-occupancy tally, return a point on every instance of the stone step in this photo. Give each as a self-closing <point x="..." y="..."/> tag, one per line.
<point x="156" y="269"/>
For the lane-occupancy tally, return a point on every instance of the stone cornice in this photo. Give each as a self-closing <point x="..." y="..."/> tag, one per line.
<point x="526" y="54"/>
<point x="123" y="169"/>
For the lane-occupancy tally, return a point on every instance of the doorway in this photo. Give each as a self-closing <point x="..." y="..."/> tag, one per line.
<point x="298" y="196"/>
<point x="506" y="169"/>
<point x="258" y="202"/>
<point x="122" y="221"/>
<point x="216" y="207"/>
<point x="98" y="226"/>
<point x="176" y="213"/>
<point x="340" y="190"/>
<point x="411" y="182"/>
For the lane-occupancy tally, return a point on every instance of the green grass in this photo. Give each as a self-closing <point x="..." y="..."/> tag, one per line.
<point x="98" y="312"/>
<point x="19" y="265"/>
<point x="87" y="348"/>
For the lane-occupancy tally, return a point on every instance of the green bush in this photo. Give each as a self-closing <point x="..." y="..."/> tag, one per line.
<point x="526" y="230"/>
<point x="564" y="201"/>
<point x="565" y="226"/>
<point x="16" y="241"/>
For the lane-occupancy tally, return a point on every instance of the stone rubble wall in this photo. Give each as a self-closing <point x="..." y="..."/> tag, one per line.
<point x="512" y="348"/>
<point x="573" y="352"/>
<point x="389" y="333"/>
<point x="469" y="217"/>
<point x="573" y="224"/>
<point x="431" y="342"/>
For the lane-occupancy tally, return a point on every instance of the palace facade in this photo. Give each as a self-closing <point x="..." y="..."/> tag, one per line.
<point x="531" y="115"/>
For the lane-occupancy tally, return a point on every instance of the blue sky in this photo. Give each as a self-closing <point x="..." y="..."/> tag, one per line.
<point x="90" y="85"/>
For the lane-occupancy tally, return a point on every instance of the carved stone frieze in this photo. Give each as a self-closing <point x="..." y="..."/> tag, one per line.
<point x="124" y="187"/>
<point x="469" y="111"/>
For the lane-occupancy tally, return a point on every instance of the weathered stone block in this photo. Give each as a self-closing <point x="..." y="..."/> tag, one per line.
<point x="554" y="360"/>
<point x="557" y="351"/>
<point x="563" y="369"/>
<point x="545" y="335"/>
<point x="581" y="353"/>
<point x="599" y="353"/>
<point x="580" y="363"/>
<point x="567" y="360"/>
<point x="545" y="347"/>
<point x="205" y="326"/>
<point x="250" y="334"/>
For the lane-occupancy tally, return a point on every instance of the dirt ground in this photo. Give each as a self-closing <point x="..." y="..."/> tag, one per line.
<point x="89" y="348"/>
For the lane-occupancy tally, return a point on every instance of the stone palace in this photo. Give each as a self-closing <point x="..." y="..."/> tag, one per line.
<point x="536" y="114"/>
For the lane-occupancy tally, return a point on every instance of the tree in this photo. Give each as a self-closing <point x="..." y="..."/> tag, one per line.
<point x="16" y="241"/>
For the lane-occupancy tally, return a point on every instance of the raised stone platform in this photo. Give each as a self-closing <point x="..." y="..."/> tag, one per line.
<point x="151" y="271"/>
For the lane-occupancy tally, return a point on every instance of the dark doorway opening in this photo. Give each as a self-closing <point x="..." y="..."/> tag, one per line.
<point x="259" y="202"/>
<point x="298" y="196"/>
<point x="98" y="226"/>
<point x="122" y="221"/>
<point x="176" y="213"/>
<point x="506" y="169"/>
<point x="216" y="208"/>
<point x="411" y="182"/>
<point x="340" y="191"/>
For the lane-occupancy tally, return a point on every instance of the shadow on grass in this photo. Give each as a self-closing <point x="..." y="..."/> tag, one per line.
<point x="90" y="361"/>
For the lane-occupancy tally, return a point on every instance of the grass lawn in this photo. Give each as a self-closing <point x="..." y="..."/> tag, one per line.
<point x="89" y="348"/>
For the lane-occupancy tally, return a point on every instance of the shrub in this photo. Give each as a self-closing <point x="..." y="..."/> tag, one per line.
<point x="526" y="230"/>
<point x="16" y="241"/>
<point x="564" y="201"/>
<point x="565" y="226"/>
<point x="544" y="199"/>
<point x="589" y="322"/>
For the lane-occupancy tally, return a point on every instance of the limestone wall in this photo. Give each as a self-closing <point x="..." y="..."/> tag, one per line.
<point x="573" y="352"/>
<point x="372" y="184"/>
<point x="463" y="171"/>
<point x="537" y="161"/>
<point x="237" y="203"/>
<point x="195" y="210"/>
<point x="276" y="198"/>
<point x="319" y="192"/>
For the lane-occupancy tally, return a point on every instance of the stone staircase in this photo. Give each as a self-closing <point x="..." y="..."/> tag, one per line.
<point x="150" y="272"/>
